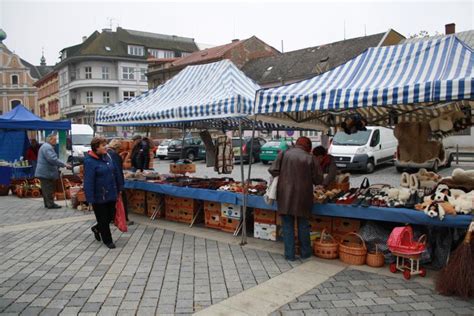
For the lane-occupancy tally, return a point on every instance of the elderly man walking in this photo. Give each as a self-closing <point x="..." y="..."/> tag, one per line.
<point x="47" y="170"/>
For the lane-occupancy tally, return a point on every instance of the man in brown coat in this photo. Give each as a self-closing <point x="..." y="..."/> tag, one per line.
<point x="297" y="171"/>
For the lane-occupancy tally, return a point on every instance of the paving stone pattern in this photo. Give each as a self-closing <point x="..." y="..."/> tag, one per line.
<point x="352" y="292"/>
<point x="62" y="269"/>
<point x="15" y="211"/>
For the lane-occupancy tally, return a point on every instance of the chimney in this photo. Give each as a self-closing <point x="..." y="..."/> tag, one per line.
<point x="235" y="40"/>
<point x="84" y="38"/>
<point x="450" y="28"/>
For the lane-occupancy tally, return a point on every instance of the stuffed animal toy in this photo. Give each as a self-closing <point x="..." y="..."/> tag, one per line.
<point x="435" y="210"/>
<point x="464" y="204"/>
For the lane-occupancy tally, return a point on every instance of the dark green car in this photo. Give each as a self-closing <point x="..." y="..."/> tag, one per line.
<point x="270" y="150"/>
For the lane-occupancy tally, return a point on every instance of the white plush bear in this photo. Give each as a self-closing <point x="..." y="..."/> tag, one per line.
<point x="464" y="203"/>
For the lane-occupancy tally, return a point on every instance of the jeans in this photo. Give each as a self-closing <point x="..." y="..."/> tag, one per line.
<point x="104" y="213"/>
<point x="288" y="222"/>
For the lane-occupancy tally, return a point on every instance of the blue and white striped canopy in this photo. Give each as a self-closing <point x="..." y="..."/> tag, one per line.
<point x="204" y="92"/>
<point x="439" y="70"/>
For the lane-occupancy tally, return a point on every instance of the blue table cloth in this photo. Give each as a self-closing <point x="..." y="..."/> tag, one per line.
<point x="398" y="215"/>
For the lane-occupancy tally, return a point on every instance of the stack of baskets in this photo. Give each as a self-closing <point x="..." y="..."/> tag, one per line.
<point x="352" y="252"/>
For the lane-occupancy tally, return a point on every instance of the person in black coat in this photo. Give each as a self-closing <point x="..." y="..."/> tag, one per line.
<point x="141" y="153"/>
<point x="114" y="150"/>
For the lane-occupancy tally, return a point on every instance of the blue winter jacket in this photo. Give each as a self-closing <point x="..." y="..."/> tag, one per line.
<point x="101" y="181"/>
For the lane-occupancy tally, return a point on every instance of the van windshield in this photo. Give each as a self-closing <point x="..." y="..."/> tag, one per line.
<point x="358" y="139"/>
<point x="79" y="139"/>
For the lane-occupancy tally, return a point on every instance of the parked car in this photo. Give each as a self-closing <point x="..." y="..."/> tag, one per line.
<point x="245" y="155"/>
<point x="271" y="149"/>
<point x="162" y="151"/>
<point x="79" y="142"/>
<point x="365" y="149"/>
<point x="191" y="148"/>
<point x="443" y="160"/>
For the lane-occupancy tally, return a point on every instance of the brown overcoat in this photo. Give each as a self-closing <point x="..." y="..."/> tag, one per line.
<point x="297" y="172"/>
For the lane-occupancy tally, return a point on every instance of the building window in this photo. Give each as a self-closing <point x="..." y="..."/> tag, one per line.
<point x="128" y="73"/>
<point x="158" y="53"/>
<point x="183" y="54"/>
<point x="63" y="78"/>
<point x="88" y="71"/>
<point x="106" y="97"/>
<point x="15" y="103"/>
<point x="143" y="74"/>
<point x="89" y="97"/>
<point x="105" y="73"/>
<point x="127" y="95"/>
<point x="135" y="50"/>
<point x="15" y="80"/>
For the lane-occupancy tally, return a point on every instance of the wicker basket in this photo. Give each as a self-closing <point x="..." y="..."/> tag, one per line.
<point x="4" y="189"/>
<point x="353" y="253"/>
<point x="375" y="259"/>
<point x="326" y="249"/>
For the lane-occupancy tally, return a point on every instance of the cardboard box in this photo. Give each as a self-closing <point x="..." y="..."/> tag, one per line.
<point x="212" y="218"/>
<point x="172" y="213"/>
<point x="341" y="226"/>
<point x="265" y="231"/>
<point x="318" y="223"/>
<point x="187" y="215"/>
<point x="138" y="207"/>
<point x="212" y="206"/>
<point x="182" y="168"/>
<point x="264" y="216"/>
<point x="153" y="202"/>
<point x="230" y="210"/>
<point x="229" y="224"/>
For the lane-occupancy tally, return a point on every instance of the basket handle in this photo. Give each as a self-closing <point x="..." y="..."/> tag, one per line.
<point x="323" y="232"/>
<point x="357" y="235"/>
<point x="422" y="239"/>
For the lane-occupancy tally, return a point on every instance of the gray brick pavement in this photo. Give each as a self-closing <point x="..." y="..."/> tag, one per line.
<point x="393" y="296"/>
<point x="62" y="269"/>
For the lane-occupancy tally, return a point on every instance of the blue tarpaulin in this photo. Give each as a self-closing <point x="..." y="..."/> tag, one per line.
<point x="398" y="215"/>
<point x="13" y="144"/>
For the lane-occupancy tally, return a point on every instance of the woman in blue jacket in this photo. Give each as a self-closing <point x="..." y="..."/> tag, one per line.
<point x="101" y="186"/>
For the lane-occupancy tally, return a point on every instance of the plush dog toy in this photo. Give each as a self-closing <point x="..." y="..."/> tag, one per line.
<point x="435" y="210"/>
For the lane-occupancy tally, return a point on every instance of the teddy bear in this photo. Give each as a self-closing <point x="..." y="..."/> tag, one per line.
<point x="464" y="203"/>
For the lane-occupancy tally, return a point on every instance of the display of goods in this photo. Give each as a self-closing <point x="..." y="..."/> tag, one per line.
<point x="343" y="187"/>
<point x="4" y="189"/>
<point x="341" y="226"/>
<point x="182" y="168"/>
<point x="326" y="246"/>
<point x="212" y="218"/>
<point x="352" y="252"/>
<point x="229" y="225"/>
<point x="264" y="216"/>
<point x="375" y="259"/>
<point x="81" y="196"/>
<point x="231" y="210"/>
<point x="265" y="231"/>
<point x="320" y="223"/>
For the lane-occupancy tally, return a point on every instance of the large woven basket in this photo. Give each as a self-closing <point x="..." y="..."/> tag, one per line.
<point x="350" y="252"/>
<point x="375" y="259"/>
<point x="325" y="247"/>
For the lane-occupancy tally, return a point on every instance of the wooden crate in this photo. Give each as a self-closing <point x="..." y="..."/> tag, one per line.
<point x="212" y="218"/>
<point x="172" y="213"/>
<point x="265" y="216"/>
<point x="318" y="223"/>
<point x="341" y="226"/>
<point x="229" y="224"/>
<point x="212" y="206"/>
<point x="182" y="168"/>
<point x="153" y="202"/>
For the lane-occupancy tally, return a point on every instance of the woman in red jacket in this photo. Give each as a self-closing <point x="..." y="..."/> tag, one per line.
<point x="32" y="153"/>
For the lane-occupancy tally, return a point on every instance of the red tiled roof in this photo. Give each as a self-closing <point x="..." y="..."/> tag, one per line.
<point x="206" y="54"/>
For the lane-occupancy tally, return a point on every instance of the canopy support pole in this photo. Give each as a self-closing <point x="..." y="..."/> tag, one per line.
<point x="182" y="143"/>
<point x="244" y="185"/>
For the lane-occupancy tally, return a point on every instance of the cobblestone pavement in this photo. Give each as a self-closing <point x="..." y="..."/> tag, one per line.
<point x="14" y="211"/>
<point x="356" y="292"/>
<point x="62" y="269"/>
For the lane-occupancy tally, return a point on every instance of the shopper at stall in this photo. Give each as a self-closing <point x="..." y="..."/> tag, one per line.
<point x="140" y="153"/>
<point x="101" y="186"/>
<point x="114" y="151"/>
<point x="297" y="172"/>
<point x="32" y="153"/>
<point x="327" y="164"/>
<point x="47" y="170"/>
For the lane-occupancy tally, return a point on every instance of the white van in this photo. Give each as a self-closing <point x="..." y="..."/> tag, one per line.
<point x="81" y="137"/>
<point x="365" y="149"/>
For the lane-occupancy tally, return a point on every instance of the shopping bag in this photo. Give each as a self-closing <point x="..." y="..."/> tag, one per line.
<point x="120" y="220"/>
<point x="271" y="194"/>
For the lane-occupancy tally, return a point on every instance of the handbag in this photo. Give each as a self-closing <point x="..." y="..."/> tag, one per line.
<point x="120" y="220"/>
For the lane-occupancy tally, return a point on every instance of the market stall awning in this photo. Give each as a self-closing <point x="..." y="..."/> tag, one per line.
<point x="203" y="92"/>
<point x="410" y="76"/>
<point x="20" y="118"/>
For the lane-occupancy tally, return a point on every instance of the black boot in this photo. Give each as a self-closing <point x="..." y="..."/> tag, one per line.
<point x="96" y="232"/>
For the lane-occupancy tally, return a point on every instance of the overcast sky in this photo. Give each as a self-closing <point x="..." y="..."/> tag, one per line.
<point x="31" y="25"/>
